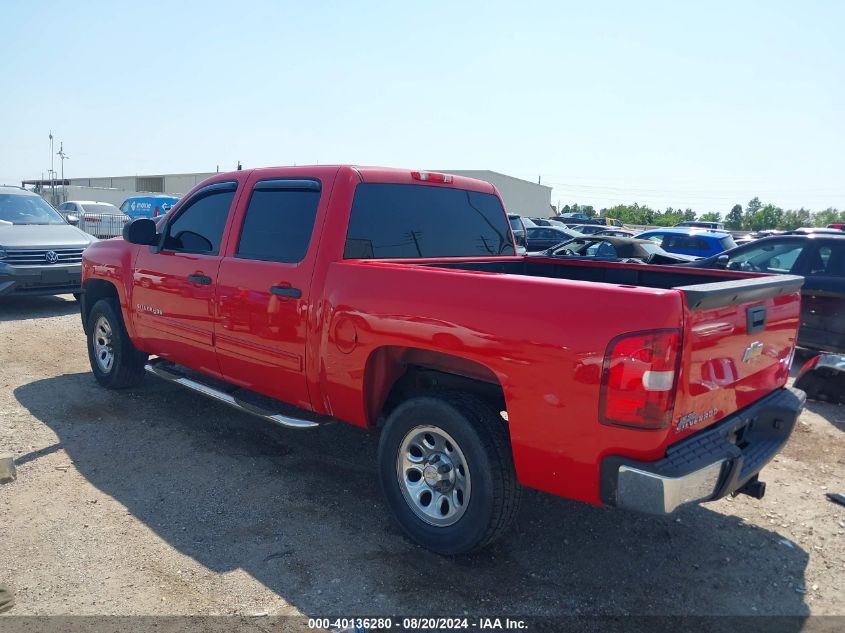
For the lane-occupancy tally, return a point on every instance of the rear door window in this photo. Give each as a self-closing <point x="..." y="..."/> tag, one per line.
<point x="412" y="221"/>
<point x="279" y="220"/>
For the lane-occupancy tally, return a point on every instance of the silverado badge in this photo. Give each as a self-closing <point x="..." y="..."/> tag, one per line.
<point x="693" y="419"/>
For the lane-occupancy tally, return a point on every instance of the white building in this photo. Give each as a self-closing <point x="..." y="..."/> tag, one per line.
<point x="520" y="196"/>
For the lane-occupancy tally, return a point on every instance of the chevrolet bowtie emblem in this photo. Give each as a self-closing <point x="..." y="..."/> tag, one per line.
<point x="752" y="351"/>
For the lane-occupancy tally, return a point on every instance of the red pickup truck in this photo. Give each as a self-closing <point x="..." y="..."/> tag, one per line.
<point x="394" y="300"/>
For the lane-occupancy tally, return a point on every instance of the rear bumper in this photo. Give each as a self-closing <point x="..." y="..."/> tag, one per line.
<point x="708" y="465"/>
<point x="40" y="280"/>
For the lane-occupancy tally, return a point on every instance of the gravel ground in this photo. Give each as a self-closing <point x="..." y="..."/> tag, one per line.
<point x="158" y="501"/>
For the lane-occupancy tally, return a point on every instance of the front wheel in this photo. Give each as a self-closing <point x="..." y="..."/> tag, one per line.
<point x="114" y="360"/>
<point x="447" y="472"/>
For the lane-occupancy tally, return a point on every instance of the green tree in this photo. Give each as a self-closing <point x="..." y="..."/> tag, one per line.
<point x="764" y="217"/>
<point x="712" y="216"/>
<point x="793" y="219"/>
<point x="754" y="205"/>
<point x="733" y="220"/>
<point x="688" y="215"/>
<point x="828" y="216"/>
<point x="631" y="213"/>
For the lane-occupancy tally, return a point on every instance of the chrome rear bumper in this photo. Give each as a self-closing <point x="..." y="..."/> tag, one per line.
<point x="723" y="459"/>
<point x="658" y="494"/>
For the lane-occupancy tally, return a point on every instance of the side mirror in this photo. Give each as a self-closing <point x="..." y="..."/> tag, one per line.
<point x="140" y="231"/>
<point x="72" y="219"/>
<point x="722" y="261"/>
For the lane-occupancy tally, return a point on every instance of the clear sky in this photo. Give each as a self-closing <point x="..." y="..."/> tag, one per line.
<point x="677" y="103"/>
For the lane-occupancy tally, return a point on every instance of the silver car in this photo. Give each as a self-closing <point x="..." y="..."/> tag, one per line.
<point x="40" y="253"/>
<point x="100" y="219"/>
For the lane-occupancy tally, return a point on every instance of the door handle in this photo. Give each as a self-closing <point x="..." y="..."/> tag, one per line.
<point x="204" y="280"/>
<point x="286" y="291"/>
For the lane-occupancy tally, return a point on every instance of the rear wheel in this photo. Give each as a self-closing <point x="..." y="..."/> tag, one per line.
<point x="447" y="473"/>
<point x="114" y="360"/>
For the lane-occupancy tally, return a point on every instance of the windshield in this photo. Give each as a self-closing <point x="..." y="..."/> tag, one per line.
<point x="27" y="209"/>
<point x="101" y="208"/>
<point x="652" y="249"/>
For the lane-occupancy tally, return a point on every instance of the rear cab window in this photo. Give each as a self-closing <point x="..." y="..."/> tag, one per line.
<point x="413" y="221"/>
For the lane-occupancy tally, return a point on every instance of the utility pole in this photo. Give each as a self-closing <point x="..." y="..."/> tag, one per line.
<point x="52" y="176"/>
<point x="61" y="154"/>
<point x="415" y="236"/>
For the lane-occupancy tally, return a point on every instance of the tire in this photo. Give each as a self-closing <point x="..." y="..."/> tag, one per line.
<point x="114" y="360"/>
<point x="416" y="464"/>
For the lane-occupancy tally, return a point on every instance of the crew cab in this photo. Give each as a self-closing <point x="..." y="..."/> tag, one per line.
<point x="393" y="300"/>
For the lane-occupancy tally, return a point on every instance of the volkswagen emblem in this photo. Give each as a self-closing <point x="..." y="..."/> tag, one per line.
<point x="51" y="257"/>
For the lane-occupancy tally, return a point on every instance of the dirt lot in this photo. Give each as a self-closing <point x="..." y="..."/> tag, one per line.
<point x="157" y="501"/>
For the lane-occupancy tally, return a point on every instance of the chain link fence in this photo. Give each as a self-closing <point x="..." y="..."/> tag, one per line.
<point x="100" y="225"/>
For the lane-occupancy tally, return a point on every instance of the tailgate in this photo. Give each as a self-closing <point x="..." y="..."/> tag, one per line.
<point x="739" y="340"/>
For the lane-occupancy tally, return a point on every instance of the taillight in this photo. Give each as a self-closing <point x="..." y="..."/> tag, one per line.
<point x="639" y="378"/>
<point x="431" y="176"/>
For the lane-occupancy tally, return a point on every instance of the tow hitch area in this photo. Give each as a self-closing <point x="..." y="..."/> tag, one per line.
<point x="753" y="488"/>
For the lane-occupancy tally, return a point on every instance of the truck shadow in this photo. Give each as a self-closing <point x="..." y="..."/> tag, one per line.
<point x="301" y="512"/>
<point x="23" y="308"/>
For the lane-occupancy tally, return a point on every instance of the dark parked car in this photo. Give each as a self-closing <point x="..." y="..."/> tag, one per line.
<point x="539" y="238"/>
<point x="619" y="248"/>
<point x="820" y="258"/>
<point x="695" y="242"/>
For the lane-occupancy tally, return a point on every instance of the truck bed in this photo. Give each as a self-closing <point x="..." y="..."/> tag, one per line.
<point x="542" y="326"/>
<point x="643" y="275"/>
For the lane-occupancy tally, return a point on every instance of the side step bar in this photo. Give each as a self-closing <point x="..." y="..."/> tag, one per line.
<point x="173" y="373"/>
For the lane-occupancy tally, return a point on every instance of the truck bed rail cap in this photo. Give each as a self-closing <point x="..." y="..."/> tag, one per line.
<point x="728" y="293"/>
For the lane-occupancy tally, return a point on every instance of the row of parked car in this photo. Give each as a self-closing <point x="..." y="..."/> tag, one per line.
<point x="105" y="220"/>
<point x="817" y="254"/>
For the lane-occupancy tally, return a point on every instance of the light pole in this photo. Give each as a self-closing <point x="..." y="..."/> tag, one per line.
<point x="52" y="173"/>
<point x="61" y="154"/>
